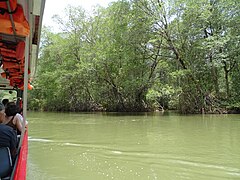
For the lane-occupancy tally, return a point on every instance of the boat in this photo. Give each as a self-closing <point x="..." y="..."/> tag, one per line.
<point x="20" y="27"/>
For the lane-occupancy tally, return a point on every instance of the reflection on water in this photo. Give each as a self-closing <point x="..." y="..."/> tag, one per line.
<point x="146" y="146"/>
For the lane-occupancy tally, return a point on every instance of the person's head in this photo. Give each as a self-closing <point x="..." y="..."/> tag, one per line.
<point x="2" y="112"/>
<point x="5" y="101"/>
<point x="11" y="109"/>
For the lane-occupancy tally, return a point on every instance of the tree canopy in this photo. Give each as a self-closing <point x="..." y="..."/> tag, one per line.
<point x="142" y="55"/>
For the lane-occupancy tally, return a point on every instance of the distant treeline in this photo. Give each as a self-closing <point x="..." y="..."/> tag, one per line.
<point x="142" y="55"/>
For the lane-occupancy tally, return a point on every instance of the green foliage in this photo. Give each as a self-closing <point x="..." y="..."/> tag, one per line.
<point x="141" y="55"/>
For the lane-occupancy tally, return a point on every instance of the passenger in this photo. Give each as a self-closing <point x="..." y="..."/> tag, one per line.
<point x="5" y="101"/>
<point x="2" y="113"/>
<point x="12" y="118"/>
<point x="19" y="104"/>
<point x="8" y="136"/>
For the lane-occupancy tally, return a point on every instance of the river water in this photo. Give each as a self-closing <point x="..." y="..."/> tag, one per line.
<point x="100" y="146"/>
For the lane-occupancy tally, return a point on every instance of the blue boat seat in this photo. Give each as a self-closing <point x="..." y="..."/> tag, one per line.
<point x="5" y="162"/>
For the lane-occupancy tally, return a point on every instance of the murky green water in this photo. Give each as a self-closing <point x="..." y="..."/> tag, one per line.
<point x="82" y="146"/>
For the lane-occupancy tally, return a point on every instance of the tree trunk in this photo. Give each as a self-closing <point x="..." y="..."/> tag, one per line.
<point x="226" y="71"/>
<point x="214" y="76"/>
<point x="215" y="80"/>
<point x="227" y="83"/>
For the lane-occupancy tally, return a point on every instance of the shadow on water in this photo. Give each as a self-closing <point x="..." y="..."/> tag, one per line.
<point x="157" y="113"/>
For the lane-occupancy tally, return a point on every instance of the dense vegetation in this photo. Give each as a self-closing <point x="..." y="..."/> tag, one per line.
<point x="142" y="55"/>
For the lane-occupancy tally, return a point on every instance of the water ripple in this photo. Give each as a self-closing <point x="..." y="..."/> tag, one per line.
<point x="39" y="140"/>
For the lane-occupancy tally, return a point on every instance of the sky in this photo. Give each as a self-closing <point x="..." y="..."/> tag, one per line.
<point x="53" y="7"/>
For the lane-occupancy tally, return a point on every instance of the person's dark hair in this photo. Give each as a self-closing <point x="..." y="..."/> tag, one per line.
<point x="11" y="109"/>
<point x="5" y="101"/>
